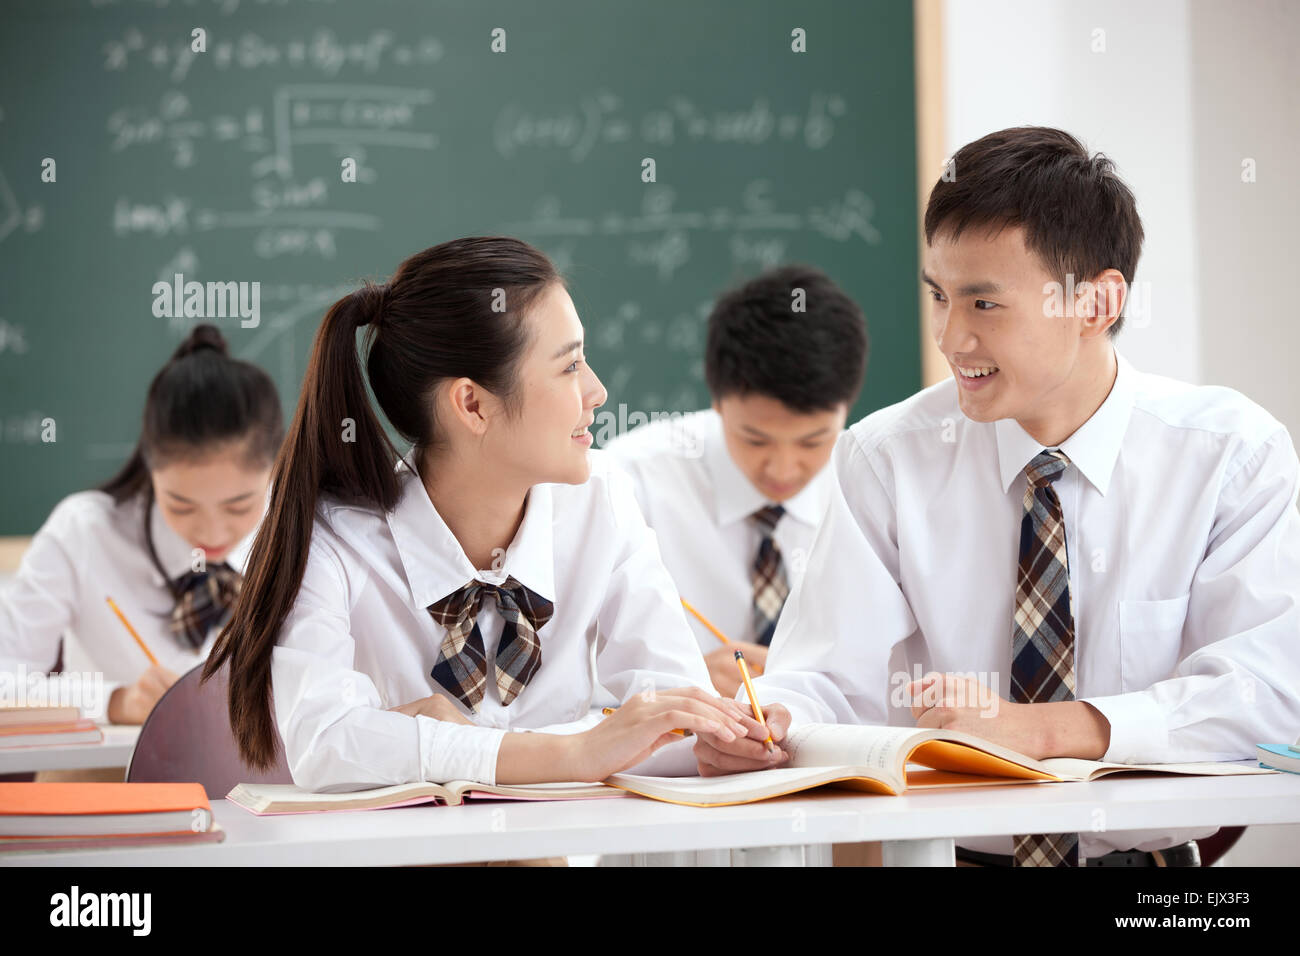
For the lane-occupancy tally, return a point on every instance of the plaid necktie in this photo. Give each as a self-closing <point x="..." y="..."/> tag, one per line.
<point x="462" y="661"/>
<point x="768" y="575"/>
<point x="1042" y="643"/>
<point x="204" y="600"/>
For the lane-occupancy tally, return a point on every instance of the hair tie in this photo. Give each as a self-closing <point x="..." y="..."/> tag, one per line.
<point x="375" y="301"/>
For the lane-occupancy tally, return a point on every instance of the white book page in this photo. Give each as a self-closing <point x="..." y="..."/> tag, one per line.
<point x="883" y="749"/>
<point x="1075" y="769"/>
<point x="266" y="794"/>
<point x="731" y="788"/>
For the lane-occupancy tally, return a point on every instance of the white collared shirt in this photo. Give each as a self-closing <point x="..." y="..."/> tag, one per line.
<point x="88" y="550"/>
<point x="698" y="502"/>
<point x="360" y="640"/>
<point x="1184" y="566"/>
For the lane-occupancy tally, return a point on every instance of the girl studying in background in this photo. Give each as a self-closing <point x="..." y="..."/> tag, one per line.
<point x="165" y="539"/>
<point x="412" y="613"/>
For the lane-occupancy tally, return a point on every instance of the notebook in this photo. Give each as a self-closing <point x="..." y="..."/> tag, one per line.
<point x="46" y="727"/>
<point x="10" y="715"/>
<point x="1280" y="756"/>
<point x="271" y="798"/>
<point x="41" y="815"/>
<point x="891" y="760"/>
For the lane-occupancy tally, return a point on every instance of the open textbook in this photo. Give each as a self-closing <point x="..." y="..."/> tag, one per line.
<point x="271" y="798"/>
<point x="883" y="760"/>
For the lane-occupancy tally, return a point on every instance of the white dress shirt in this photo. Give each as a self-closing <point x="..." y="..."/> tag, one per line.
<point x="1183" y="543"/>
<point x="88" y="550"/>
<point x="360" y="640"/>
<point x="698" y="502"/>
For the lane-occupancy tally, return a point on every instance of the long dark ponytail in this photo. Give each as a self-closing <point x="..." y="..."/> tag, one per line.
<point x="438" y="318"/>
<point x="200" y="400"/>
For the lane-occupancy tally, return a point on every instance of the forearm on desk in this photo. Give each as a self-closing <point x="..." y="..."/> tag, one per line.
<point x="537" y="758"/>
<point x="1072" y="728"/>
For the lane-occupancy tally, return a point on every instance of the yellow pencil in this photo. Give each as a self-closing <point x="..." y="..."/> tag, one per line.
<point x="127" y="624"/>
<point x="753" y="698"/>
<point x="679" y="732"/>
<point x="706" y="622"/>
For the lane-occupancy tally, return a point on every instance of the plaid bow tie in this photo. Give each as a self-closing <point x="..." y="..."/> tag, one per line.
<point x="1042" y="642"/>
<point x="462" y="661"/>
<point x="204" y="600"/>
<point x="767" y="575"/>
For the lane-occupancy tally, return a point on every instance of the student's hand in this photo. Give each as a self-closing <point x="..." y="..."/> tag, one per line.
<point x="1068" y="728"/>
<point x="958" y="702"/>
<point x="132" y="704"/>
<point x="437" y="706"/>
<point x="723" y="670"/>
<point x="716" y="756"/>
<point x="645" y="723"/>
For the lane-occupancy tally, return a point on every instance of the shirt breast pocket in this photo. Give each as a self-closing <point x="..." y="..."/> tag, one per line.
<point x="1151" y="637"/>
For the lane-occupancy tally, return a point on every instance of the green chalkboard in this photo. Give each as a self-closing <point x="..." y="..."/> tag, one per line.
<point x="226" y="166"/>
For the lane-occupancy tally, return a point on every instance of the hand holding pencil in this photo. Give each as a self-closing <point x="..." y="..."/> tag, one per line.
<point x="722" y="663"/>
<point x="132" y="703"/>
<point x="759" y="749"/>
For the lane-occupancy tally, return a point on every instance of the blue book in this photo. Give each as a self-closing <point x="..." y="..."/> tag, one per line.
<point x="1279" y="757"/>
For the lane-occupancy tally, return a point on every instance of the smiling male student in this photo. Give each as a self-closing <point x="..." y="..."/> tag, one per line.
<point x="1116" y="552"/>
<point x="734" y="493"/>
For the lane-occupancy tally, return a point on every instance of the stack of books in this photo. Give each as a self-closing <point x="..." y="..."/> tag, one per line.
<point x="58" y="816"/>
<point x="45" y="727"/>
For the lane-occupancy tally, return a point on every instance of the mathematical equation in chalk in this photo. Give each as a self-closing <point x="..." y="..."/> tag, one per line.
<point x="222" y="7"/>
<point x="320" y="51"/>
<point x="659" y="236"/>
<point x="600" y="119"/>
<point x="346" y="116"/>
<point x="23" y="428"/>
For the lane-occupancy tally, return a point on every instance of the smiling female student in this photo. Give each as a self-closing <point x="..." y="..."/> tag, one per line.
<point x="413" y="614"/>
<point x="166" y="539"/>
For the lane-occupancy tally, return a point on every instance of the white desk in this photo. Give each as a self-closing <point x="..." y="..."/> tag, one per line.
<point x="918" y="829"/>
<point x="114" y="751"/>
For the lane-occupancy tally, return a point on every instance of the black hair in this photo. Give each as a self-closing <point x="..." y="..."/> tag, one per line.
<point x="200" y="400"/>
<point x="1078" y="216"/>
<point x="791" y="334"/>
<point x="440" y="317"/>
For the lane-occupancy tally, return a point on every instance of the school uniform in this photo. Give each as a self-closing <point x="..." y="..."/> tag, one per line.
<point x="91" y="549"/>
<point x="587" y="583"/>
<point x="1182" y="543"/>
<point x="733" y="555"/>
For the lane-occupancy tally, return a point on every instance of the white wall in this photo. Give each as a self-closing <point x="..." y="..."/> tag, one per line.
<point x="1246" y="95"/>
<point x="1184" y="90"/>
<point x="1031" y="63"/>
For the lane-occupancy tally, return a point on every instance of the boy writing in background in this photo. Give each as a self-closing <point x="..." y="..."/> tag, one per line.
<point x="734" y="493"/>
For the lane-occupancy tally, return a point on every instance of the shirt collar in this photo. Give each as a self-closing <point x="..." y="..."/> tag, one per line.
<point x="436" y="565"/>
<point x="1094" y="446"/>
<point x="736" y="498"/>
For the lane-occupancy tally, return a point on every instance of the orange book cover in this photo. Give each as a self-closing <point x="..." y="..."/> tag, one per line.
<point x="65" y="727"/>
<point x="64" y="799"/>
